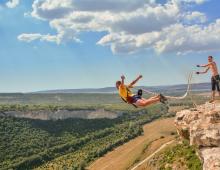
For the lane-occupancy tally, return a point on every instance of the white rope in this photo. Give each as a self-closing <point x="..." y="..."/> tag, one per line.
<point x="191" y="97"/>
<point x="175" y="97"/>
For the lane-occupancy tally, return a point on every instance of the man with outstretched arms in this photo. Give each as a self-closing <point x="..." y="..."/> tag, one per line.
<point x="215" y="75"/>
<point x="137" y="100"/>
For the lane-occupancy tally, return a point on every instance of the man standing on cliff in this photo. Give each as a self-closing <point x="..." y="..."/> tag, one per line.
<point x="215" y="76"/>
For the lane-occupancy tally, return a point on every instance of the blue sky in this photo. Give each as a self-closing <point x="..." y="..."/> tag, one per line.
<point x="60" y="61"/>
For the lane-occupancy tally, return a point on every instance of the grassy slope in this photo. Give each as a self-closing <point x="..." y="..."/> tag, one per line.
<point x="180" y="156"/>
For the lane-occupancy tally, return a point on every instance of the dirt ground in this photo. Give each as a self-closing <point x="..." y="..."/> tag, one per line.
<point x="124" y="157"/>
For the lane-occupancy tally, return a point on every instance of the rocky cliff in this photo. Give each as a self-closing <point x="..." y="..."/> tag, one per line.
<point x="201" y="126"/>
<point x="63" y="114"/>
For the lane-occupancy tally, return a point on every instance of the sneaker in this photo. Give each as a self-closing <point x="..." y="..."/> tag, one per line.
<point x="140" y="92"/>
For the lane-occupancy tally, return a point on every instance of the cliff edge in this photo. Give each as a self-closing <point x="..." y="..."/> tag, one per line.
<point x="201" y="126"/>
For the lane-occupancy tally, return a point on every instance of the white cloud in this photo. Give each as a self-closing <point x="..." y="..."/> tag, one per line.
<point x="196" y="17"/>
<point x="110" y="5"/>
<point x="177" y="38"/>
<point x="32" y="37"/>
<point x="184" y="39"/>
<point x="67" y="36"/>
<point x="130" y="25"/>
<point x="70" y="17"/>
<point x="50" y="9"/>
<point x="12" y="3"/>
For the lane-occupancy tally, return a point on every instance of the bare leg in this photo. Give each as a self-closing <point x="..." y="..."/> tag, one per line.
<point x="145" y="102"/>
<point x="157" y="96"/>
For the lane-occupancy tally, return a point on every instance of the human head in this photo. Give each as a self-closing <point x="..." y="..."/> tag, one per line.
<point x="210" y="58"/>
<point x="118" y="83"/>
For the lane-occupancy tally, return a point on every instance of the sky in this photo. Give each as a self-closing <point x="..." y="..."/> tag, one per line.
<point x="68" y="44"/>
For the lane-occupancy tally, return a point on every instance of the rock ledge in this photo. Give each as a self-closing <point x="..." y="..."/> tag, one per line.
<point x="201" y="127"/>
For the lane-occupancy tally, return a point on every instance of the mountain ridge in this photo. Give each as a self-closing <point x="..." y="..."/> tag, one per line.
<point x="178" y="87"/>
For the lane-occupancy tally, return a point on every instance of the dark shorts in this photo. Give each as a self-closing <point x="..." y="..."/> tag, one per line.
<point x="135" y="98"/>
<point x="215" y="82"/>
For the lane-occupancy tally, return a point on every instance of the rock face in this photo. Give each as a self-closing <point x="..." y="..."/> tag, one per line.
<point x="201" y="127"/>
<point x="211" y="157"/>
<point x="62" y="114"/>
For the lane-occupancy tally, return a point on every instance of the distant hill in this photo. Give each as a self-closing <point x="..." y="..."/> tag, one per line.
<point x="86" y="90"/>
<point x="166" y="89"/>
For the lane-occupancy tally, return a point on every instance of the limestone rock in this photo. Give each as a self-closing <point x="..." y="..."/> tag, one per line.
<point x="202" y="128"/>
<point x="211" y="158"/>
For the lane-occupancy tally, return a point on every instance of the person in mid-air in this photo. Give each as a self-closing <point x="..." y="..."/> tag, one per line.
<point x="136" y="100"/>
<point x="215" y="76"/>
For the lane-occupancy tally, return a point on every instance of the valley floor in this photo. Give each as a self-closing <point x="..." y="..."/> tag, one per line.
<point x="126" y="156"/>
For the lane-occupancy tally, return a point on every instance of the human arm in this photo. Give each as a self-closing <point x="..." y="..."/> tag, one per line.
<point x="203" y="72"/>
<point x="203" y="65"/>
<point x="135" y="81"/>
<point x="122" y="80"/>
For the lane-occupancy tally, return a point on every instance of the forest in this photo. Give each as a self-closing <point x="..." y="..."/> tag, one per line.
<point x="44" y="144"/>
<point x="28" y="144"/>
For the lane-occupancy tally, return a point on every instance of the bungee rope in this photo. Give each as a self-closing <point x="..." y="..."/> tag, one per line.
<point x="191" y="97"/>
<point x="175" y="97"/>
